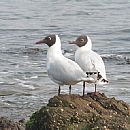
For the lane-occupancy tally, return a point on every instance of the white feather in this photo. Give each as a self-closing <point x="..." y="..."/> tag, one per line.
<point x="62" y="70"/>
<point x="89" y="60"/>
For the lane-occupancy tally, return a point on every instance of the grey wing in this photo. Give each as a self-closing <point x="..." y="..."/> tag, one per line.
<point x="76" y="71"/>
<point x="66" y="72"/>
<point x="98" y="64"/>
<point x="85" y="61"/>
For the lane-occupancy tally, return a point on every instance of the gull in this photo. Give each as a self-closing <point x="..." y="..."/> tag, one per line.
<point x="90" y="61"/>
<point x="61" y="70"/>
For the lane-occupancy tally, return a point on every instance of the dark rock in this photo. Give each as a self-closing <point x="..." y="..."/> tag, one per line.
<point x="74" y="112"/>
<point x="6" y="124"/>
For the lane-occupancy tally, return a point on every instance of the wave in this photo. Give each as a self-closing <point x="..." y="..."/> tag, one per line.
<point x="121" y="59"/>
<point x="27" y="86"/>
<point x="127" y="30"/>
<point x="24" y="84"/>
<point x="24" y="51"/>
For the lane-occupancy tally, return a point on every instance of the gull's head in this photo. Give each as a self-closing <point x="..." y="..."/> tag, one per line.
<point x="83" y="40"/>
<point x="50" y="40"/>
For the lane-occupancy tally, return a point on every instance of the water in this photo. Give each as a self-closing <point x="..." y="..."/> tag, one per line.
<point x="24" y="84"/>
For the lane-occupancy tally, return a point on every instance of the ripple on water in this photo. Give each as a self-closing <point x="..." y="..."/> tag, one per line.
<point x="6" y="92"/>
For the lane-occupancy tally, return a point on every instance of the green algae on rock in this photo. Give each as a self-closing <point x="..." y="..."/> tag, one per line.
<point x="74" y="112"/>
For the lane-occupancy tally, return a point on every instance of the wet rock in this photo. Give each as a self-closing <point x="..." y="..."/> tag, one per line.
<point x="6" y="124"/>
<point x="74" y="112"/>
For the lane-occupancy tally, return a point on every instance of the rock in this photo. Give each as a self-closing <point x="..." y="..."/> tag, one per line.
<point x="74" y="112"/>
<point x="6" y="124"/>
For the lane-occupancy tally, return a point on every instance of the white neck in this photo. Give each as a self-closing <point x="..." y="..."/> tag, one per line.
<point x="55" y="50"/>
<point x="58" y="42"/>
<point x="88" y="46"/>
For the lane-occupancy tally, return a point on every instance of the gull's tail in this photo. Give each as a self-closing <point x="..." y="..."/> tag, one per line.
<point x="101" y="80"/>
<point x="97" y="78"/>
<point x="89" y="78"/>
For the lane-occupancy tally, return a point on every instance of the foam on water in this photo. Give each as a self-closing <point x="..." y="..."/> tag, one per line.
<point x="26" y="86"/>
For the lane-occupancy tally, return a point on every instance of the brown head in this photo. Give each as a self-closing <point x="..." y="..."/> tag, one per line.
<point x="49" y="40"/>
<point x="80" y="41"/>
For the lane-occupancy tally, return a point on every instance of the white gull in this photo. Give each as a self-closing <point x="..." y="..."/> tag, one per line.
<point x="90" y="61"/>
<point x="61" y="70"/>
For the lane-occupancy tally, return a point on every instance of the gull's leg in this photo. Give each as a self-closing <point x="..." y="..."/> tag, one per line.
<point x="59" y="91"/>
<point x="83" y="88"/>
<point x="95" y="89"/>
<point x="70" y="89"/>
<point x="95" y="92"/>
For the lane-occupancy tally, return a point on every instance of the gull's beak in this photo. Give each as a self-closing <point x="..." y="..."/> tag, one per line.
<point x="72" y="42"/>
<point x="41" y="41"/>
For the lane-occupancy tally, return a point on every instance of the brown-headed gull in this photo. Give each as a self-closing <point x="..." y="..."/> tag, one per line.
<point x="61" y="70"/>
<point x="89" y="61"/>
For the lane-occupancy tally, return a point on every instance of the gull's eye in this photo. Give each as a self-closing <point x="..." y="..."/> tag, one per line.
<point x="49" y="38"/>
<point x="82" y="40"/>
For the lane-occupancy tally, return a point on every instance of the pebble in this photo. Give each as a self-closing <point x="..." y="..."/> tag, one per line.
<point x="62" y="110"/>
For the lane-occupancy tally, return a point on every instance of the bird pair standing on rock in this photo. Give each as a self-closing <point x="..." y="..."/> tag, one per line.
<point x="87" y="67"/>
